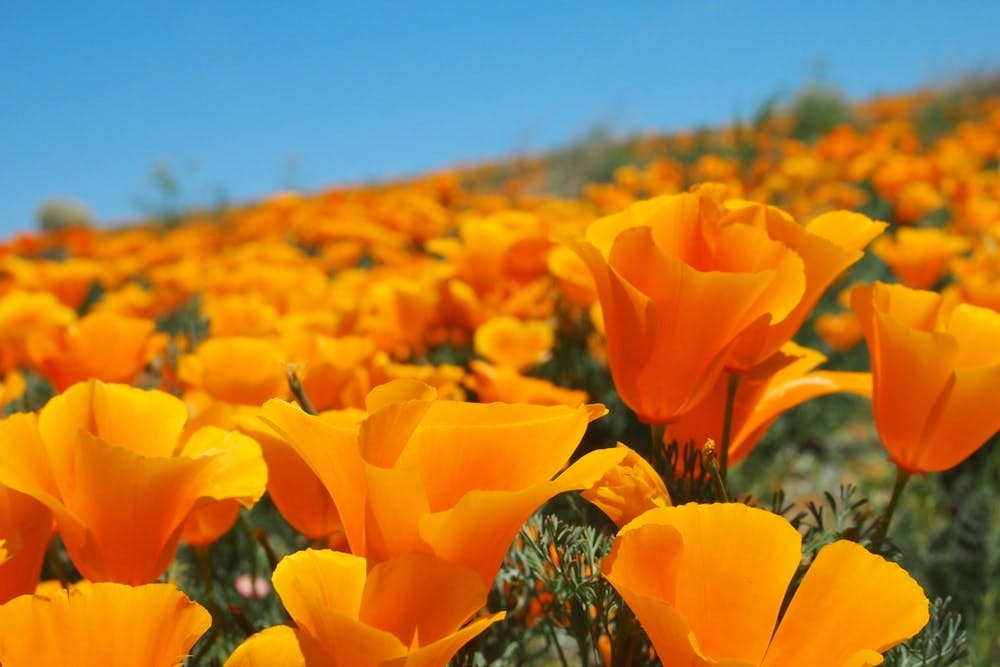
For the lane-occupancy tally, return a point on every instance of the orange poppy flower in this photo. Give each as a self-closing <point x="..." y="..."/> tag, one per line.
<point x="406" y="612"/>
<point x="96" y="625"/>
<point x="25" y="529"/>
<point x="451" y="479"/>
<point x="107" y="461"/>
<point x="81" y="351"/>
<point x="690" y="286"/>
<point x="236" y="370"/>
<point x="920" y="257"/>
<point x="785" y="380"/>
<point x="707" y="584"/>
<point x="508" y="341"/>
<point x="933" y="363"/>
<point x="24" y="314"/>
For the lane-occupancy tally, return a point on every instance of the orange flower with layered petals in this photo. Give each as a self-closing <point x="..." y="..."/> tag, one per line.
<point x="97" y="625"/>
<point x="109" y="463"/>
<point x="932" y="364"/>
<point x="405" y="612"/>
<point x="920" y="257"/>
<point x="82" y="352"/>
<point x="691" y="286"/>
<point x="451" y="479"/>
<point x="508" y="341"/>
<point x="236" y="370"/>
<point x="707" y="584"/>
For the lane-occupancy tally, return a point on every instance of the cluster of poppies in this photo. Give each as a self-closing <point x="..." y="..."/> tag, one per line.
<point x="376" y="362"/>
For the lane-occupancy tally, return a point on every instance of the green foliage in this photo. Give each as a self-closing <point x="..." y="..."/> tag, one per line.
<point x="942" y="643"/>
<point x="817" y="110"/>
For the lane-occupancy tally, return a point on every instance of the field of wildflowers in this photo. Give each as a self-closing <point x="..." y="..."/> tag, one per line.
<point x="723" y="398"/>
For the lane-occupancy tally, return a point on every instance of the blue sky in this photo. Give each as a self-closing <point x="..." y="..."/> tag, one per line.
<point x="241" y="99"/>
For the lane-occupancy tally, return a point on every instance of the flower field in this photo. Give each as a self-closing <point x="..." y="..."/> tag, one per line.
<point x="724" y="397"/>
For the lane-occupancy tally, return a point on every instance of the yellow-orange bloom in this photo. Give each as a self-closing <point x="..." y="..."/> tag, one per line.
<point x="508" y="341"/>
<point x="101" y="625"/>
<point x="24" y="314"/>
<point x="783" y="381"/>
<point x="920" y="257"/>
<point x="406" y="612"/>
<point x="451" y="479"/>
<point x="690" y="286"/>
<point x="236" y="370"/>
<point x="933" y="363"/>
<point x="109" y="463"/>
<point x="82" y="352"/>
<point x="707" y="584"/>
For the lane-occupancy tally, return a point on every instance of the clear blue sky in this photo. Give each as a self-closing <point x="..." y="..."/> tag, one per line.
<point x="245" y="98"/>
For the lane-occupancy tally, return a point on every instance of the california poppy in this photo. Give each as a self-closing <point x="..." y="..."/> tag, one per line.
<point x="932" y="364"/>
<point x="692" y="285"/>
<point x="405" y="612"/>
<point x="707" y="584"/>
<point x="452" y="479"/>
<point x="108" y="462"/>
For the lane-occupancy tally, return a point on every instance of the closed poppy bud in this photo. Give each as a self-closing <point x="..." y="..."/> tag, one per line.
<point x="628" y="489"/>
<point x="932" y="364"/>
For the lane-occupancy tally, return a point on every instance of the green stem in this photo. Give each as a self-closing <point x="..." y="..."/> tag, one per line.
<point x="709" y="462"/>
<point x="203" y="554"/>
<point x="727" y="426"/>
<point x="656" y="432"/>
<point x="902" y="477"/>
<point x="298" y="391"/>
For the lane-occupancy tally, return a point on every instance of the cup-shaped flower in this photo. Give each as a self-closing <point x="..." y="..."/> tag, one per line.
<point x="450" y="479"/>
<point x="920" y="257"/>
<point x="25" y="530"/>
<point x="707" y="584"/>
<point x="101" y="625"/>
<point x="236" y="370"/>
<point x="508" y="341"/>
<point x="405" y="612"/>
<point x="933" y="364"/>
<point x="81" y="351"/>
<point x="109" y="462"/>
<point x="780" y="383"/>
<point x="691" y="285"/>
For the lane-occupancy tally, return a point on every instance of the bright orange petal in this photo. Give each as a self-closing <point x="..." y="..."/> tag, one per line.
<point x="43" y="632"/>
<point x="420" y="598"/>
<point x="459" y="447"/>
<point x="832" y="619"/>
<point x="271" y="647"/>
<point x="478" y="530"/>
<point x="331" y="451"/>
<point x="146" y="422"/>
